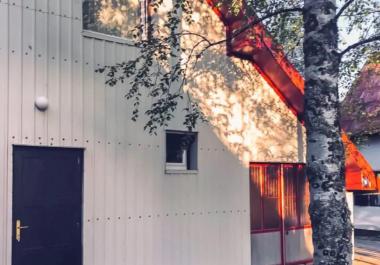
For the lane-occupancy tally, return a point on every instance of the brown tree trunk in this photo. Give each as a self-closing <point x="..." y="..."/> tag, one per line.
<point x="329" y="211"/>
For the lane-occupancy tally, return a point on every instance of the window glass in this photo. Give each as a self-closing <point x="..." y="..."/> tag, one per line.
<point x="112" y="17"/>
<point x="290" y="196"/>
<point x="181" y="150"/>
<point x="270" y="197"/>
<point x="303" y="196"/>
<point x="255" y="194"/>
<point x="175" y="148"/>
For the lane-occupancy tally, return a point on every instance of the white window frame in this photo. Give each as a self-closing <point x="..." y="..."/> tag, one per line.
<point x="178" y="166"/>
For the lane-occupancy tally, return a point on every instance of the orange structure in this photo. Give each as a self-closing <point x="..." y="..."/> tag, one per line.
<point x="257" y="46"/>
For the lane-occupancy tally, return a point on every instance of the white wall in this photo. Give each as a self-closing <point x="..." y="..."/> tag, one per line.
<point x="133" y="212"/>
<point x="371" y="151"/>
<point x="367" y="217"/>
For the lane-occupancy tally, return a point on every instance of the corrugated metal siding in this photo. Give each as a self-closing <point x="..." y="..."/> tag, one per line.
<point x="133" y="212"/>
<point x="3" y="127"/>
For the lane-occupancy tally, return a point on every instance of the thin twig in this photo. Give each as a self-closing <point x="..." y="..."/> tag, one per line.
<point x="344" y="7"/>
<point x="359" y="43"/>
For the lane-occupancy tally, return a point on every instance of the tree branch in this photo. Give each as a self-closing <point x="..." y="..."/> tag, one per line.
<point x="253" y="23"/>
<point x="344" y="7"/>
<point x="359" y="43"/>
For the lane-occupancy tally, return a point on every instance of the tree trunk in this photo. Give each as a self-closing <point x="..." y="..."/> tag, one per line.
<point x="328" y="210"/>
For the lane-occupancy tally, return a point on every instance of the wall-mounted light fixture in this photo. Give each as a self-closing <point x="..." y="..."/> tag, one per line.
<point x="41" y="103"/>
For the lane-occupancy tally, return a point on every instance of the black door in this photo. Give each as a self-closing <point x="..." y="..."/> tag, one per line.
<point x="47" y="206"/>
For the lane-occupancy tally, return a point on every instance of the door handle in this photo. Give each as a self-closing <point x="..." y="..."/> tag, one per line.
<point x="18" y="229"/>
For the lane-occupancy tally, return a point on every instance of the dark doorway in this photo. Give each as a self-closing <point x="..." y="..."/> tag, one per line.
<point x="47" y="206"/>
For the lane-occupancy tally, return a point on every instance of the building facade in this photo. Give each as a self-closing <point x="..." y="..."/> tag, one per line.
<point x="83" y="184"/>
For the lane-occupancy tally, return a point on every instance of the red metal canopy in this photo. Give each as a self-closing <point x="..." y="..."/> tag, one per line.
<point x="257" y="46"/>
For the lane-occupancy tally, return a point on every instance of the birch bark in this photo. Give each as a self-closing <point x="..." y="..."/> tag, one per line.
<point x="329" y="211"/>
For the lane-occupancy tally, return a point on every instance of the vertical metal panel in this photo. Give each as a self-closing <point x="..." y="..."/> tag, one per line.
<point x="41" y="68"/>
<point x="100" y="156"/>
<point x="121" y="157"/>
<point x="110" y="159"/>
<point x="89" y="143"/>
<point x="77" y="95"/>
<point x="15" y="69"/>
<point x="3" y="127"/>
<point x="65" y="73"/>
<point x="28" y="71"/>
<point x="53" y="115"/>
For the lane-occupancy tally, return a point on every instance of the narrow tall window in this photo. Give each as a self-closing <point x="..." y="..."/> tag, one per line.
<point x="265" y="197"/>
<point x="112" y="17"/>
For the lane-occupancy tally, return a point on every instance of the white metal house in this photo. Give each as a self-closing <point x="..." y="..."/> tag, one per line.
<point x="80" y="183"/>
<point x="361" y="118"/>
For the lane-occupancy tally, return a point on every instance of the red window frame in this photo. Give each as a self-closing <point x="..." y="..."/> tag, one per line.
<point x="288" y="195"/>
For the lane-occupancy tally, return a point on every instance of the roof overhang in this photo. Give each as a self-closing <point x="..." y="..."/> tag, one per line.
<point x="257" y="46"/>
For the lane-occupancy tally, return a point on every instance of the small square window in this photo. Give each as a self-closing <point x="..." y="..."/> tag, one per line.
<point x="181" y="151"/>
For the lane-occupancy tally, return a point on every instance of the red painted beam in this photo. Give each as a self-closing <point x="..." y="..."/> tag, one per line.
<point x="257" y="46"/>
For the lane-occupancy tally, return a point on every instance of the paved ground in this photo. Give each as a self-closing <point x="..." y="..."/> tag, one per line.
<point x="367" y="249"/>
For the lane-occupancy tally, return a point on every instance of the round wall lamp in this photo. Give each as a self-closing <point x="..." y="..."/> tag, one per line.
<point x="41" y="103"/>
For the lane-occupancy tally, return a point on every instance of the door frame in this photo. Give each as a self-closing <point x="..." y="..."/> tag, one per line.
<point x="8" y="242"/>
